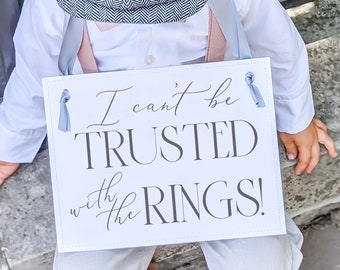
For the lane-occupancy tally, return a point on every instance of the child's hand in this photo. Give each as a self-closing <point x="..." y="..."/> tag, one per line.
<point x="6" y="170"/>
<point x="305" y="146"/>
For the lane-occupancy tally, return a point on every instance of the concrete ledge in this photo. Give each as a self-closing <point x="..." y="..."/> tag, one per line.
<point x="26" y="217"/>
<point x="309" y="196"/>
<point x="317" y="20"/>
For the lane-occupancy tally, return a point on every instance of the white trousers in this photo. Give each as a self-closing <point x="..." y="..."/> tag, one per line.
<point x="256" y="253"/>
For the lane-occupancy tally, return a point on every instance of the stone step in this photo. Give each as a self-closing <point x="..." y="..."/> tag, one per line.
<point x="27" y="235"/>
<point x="316" y="20"/>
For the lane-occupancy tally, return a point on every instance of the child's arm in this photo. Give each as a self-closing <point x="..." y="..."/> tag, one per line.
<point x="22" y="118"/>
<point x="305" y="146"/>
<point x="6" y="170"/>
<point x="271" y="33"/>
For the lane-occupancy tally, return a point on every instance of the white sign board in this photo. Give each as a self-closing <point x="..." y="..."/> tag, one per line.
<point x="160" y="156"/>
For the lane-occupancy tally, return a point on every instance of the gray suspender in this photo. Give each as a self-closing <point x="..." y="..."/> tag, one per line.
<point x="72" y="38"/>
<point x="224" y="12"/>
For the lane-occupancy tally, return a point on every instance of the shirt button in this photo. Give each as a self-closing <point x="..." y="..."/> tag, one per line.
<point x="149" y="59"/>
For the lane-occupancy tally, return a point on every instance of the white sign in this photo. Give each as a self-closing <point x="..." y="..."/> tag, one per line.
<point x="160" y="156"/>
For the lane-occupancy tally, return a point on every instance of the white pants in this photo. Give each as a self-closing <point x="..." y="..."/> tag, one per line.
<point x="256" y="253"/>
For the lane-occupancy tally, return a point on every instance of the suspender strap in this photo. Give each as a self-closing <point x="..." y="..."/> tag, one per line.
<point x="216" y="45"/>
<point x="230" y="23"/>
<point x="85" y="54"/>
<point x="72" y="38"/>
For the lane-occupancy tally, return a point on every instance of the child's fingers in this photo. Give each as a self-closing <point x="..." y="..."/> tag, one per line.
<point x="326" y="141"/>
<point x="315" y="157"/>
<point x="304" y="158"/>
<point x="305" y="145"/>
<point x="153" y="266"/>
<point x="2" y="177"/>
<point x="319" y="124"/>
<point x="290" y="146"/>
<point x="6" y="170"/>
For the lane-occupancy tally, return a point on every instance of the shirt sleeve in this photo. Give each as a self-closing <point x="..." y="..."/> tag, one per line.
<point x="271" y="33"/>
<point x="22" y="118"/>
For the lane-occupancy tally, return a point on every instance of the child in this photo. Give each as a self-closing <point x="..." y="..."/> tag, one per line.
<point x="145" y="34"/>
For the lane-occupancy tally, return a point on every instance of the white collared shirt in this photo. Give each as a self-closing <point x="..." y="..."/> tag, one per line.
<point x="38" y="38"/>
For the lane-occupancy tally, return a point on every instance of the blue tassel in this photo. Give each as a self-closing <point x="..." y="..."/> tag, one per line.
<point x="255" y="92"/>
<point x="64" y="116"/>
